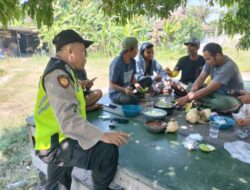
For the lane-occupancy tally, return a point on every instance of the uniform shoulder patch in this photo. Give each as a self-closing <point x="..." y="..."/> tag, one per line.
<point x="63" y="80"/>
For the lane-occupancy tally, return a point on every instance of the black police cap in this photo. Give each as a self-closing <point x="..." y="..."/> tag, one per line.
<point x="69" y="36"/>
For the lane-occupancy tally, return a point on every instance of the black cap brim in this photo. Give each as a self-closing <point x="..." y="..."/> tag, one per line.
<point x="69" y="36"/>
<point x="187" y="43"/>
<point x="87" y="43"/>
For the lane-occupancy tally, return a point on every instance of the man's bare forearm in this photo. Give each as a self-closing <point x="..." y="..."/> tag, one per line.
<point x="212" y="87"/>
<point x="199" y="81"/>
<point x="116" y="87"/>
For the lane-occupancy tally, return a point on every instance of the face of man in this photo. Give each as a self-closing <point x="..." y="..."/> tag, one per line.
<point x="192" y="49"/>
<point x="78" y="55"/>
<point x="148" y="54"/>
<point x="134" y="51"/>
<point x="211" y="60"/>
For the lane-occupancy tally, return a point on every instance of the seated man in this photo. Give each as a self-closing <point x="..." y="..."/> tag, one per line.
<point x="64" y="138"/>
<point x="146" y="65"/>
<point x="189" y="65"/>
<point x="225" y="76"/>
<point x="91" y="96"/>
<point x="121" y="74"/>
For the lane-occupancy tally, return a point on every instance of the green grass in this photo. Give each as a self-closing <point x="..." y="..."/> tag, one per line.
<point x="168" y="58"/>
<point x="241" y="58"/>
<point x="17" y="99"/>
<point x="15" y="157"/>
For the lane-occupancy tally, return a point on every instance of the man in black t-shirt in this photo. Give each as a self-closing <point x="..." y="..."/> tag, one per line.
<point x="190" y="65"/>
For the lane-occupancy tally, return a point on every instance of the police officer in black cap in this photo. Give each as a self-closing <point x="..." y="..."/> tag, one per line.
<point x="63" y="137"/>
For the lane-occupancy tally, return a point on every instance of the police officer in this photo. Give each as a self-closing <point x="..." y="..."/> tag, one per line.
<point x="63" y="137"/>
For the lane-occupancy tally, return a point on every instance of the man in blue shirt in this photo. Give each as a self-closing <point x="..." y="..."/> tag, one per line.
<point x="121" y="74"/>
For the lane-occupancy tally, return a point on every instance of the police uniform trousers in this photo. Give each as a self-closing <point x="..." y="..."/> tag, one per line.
<point x="102" y="159"/>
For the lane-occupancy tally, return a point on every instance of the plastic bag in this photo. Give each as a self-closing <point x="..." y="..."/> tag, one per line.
<point x="243" y="116"/>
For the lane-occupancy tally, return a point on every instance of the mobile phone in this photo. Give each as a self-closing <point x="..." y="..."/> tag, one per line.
<point x="120" y="120"/>
<point x="93" y="79"/>
<point x="112" y="106"/>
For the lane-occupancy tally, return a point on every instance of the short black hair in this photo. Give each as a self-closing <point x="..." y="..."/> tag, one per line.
<point x="149" y="46"/>
<point x="213" y="49"/>
<point x="146" y="45"/>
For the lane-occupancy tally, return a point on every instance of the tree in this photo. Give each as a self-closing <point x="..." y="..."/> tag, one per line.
<point x="190" y="27"/>
<point x="86" y="18"/>
<point x="235" y="21"/>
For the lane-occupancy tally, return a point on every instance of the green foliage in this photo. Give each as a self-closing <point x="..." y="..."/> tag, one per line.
<point x="236" y="21"/>
<point x="189" y="28"/>
<point x="199" y="12"/>
<point x="127" y="9"/>
<point x="9" y="11"/>
<point x="13" y="147"/>
<point x="182" y="26"/>
<point x="42" y="11"/>
<point x="170" y="27"/>
<point x="86" y="18"/>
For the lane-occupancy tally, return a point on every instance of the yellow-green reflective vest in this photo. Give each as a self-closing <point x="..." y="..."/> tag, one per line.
<point x="48" y="133"/>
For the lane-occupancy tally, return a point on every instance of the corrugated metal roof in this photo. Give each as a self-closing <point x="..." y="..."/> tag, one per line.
<point x="22" y="29"/>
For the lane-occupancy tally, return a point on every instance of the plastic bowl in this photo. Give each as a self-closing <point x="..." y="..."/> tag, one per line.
<point x="154" y="113"/>
<point x="165" y="104"/>
<point x="169" y="110"/>
<point x="131" y="110"/>
<point x="155" y="126"/>
<point x="223" y="121"/>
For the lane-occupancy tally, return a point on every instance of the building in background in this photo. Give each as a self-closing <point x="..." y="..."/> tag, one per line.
<point x="19" y="41"/>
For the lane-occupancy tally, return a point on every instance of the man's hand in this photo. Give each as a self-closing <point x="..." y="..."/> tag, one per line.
<point x="182" y="101"/>
<point x="128" y="91"/>
<point x="242" y="122"/>
<point x="168" y="71"/>
<point x="158" y="78"/>
<point x="138" y="87"/>
<point x="116" y="138"/>
<point x="245" y="97"/>
<point x="86" y="83"/>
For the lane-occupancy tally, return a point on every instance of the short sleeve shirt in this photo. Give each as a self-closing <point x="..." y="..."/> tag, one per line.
<point x="190" y="69"/>
<point x="121" y="73"/>
<point x="228" y="75"/>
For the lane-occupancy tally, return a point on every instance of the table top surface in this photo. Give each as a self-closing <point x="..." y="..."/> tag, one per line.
<point x="162" y="159"/>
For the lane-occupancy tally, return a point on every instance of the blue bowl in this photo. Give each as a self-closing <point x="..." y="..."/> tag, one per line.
<point x="131" y="110"/>
<point x="223" y="121"/>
